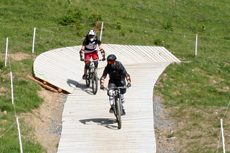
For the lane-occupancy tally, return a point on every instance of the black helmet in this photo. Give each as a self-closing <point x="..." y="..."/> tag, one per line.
<point x="111" y="57"/>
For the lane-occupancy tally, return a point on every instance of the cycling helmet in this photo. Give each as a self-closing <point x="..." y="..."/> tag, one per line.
<point x="111" y="57"/>
<point x="91" y="35"/>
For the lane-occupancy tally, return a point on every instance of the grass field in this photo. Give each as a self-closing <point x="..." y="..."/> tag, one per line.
<point x="196" y="91"/>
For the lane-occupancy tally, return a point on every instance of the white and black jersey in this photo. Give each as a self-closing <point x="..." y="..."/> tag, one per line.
<point x="91" y="46"/>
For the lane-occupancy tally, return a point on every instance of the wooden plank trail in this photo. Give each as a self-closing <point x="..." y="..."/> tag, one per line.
<point x="65" y="63"/>
<point x="87" y="124"/>
<point x="89" y="127"/>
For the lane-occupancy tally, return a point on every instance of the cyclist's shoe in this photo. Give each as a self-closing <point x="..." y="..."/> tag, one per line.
<point x="111" y="110"/>
<point x="123" y="112"/>
<point x="84" y="77"/>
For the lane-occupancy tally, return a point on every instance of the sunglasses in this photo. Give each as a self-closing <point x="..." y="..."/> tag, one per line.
<point x="111" y="62"/>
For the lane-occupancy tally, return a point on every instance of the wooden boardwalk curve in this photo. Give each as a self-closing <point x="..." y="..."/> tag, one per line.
<point x="89" y="127"/>
<point x="87" y="124"/>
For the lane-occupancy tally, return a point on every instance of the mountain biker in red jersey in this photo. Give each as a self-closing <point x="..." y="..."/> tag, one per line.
<point x="117" y="74"/>
<point x="89" y="49"/>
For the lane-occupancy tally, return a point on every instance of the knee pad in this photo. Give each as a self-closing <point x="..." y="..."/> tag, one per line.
<point x="110" y="93"/>
<point x="111" y="101"/>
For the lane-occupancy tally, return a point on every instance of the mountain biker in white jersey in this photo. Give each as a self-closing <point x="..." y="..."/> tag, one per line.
<point x="89" y="49"/>
<point x="117" y="74"/>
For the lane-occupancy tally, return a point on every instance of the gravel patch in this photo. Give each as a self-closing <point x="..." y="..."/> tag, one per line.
<point x="164" y="128"/>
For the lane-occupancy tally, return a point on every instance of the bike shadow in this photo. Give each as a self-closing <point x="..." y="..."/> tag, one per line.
<point x="82" y="86"/>
<point x="106" y="122"/>
<point x="72" y="83"/>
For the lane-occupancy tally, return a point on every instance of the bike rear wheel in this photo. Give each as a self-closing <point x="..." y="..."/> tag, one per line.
<point x="94" y="82"/>
<point x="118" y="112"/>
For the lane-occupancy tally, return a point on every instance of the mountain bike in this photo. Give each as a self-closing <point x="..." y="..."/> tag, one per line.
<point x="117" y="107"/>
<point x="91" y="76"/>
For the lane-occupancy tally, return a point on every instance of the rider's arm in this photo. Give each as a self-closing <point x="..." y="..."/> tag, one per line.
<point x="100" y="47"/>
<point x="105" y="72"/>
<point x="83" y="47"/>
<point x="85" y="42"/>
<point x="102" y="80"/>
<point x="124" y="72"/>
<point x="101" y="50"/>
<point x="98" y="41"/>
<point x="128" y="78"/>
<point x="82" y="50"/>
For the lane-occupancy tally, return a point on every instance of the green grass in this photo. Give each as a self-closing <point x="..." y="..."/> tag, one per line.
<point x="194" y="89"/>
<point x="9" y="140"/>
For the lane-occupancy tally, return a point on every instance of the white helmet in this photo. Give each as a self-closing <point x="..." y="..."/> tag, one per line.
<point x="91" y="35"/>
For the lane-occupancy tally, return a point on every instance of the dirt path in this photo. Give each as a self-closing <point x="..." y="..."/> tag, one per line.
<point x="47" y="119"/>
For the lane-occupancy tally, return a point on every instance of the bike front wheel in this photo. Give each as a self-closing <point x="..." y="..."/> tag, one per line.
<point x="118" y="112"/>
<point x="87" y="80"/>
<point x="94" y="82"/>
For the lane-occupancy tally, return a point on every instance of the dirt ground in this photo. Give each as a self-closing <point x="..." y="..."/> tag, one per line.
<point x="46" y="120"/>
<point x="165" y="128"/>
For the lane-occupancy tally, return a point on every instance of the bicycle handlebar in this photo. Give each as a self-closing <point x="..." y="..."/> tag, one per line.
<point x="92" y="60"/>
<point x="124" y="87"/>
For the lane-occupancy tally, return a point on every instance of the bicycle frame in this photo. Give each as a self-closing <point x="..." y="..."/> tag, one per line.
<point x="92" y="76"/>
<point x="117" y="107"/>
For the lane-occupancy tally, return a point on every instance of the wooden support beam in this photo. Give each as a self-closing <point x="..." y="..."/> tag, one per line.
<point x="43" y="84"/>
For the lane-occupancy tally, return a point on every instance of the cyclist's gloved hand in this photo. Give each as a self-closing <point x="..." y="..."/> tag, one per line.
<point x="103" y="54"/>
<point x="103" y="58"/>
<point x="102" y="87"/>
<point x="81" y="59"/>
<point x="129" y="85"/>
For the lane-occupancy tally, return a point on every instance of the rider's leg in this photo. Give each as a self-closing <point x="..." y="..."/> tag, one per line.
<point x="122" y="93"/>
<point x="95" y="57"/>
<point x="85" y="70"/>
<point x="87" y="57"/>
<point x="122" y="100"/>
<point x="111" y="97"/>
<point x="122" y="103"/>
